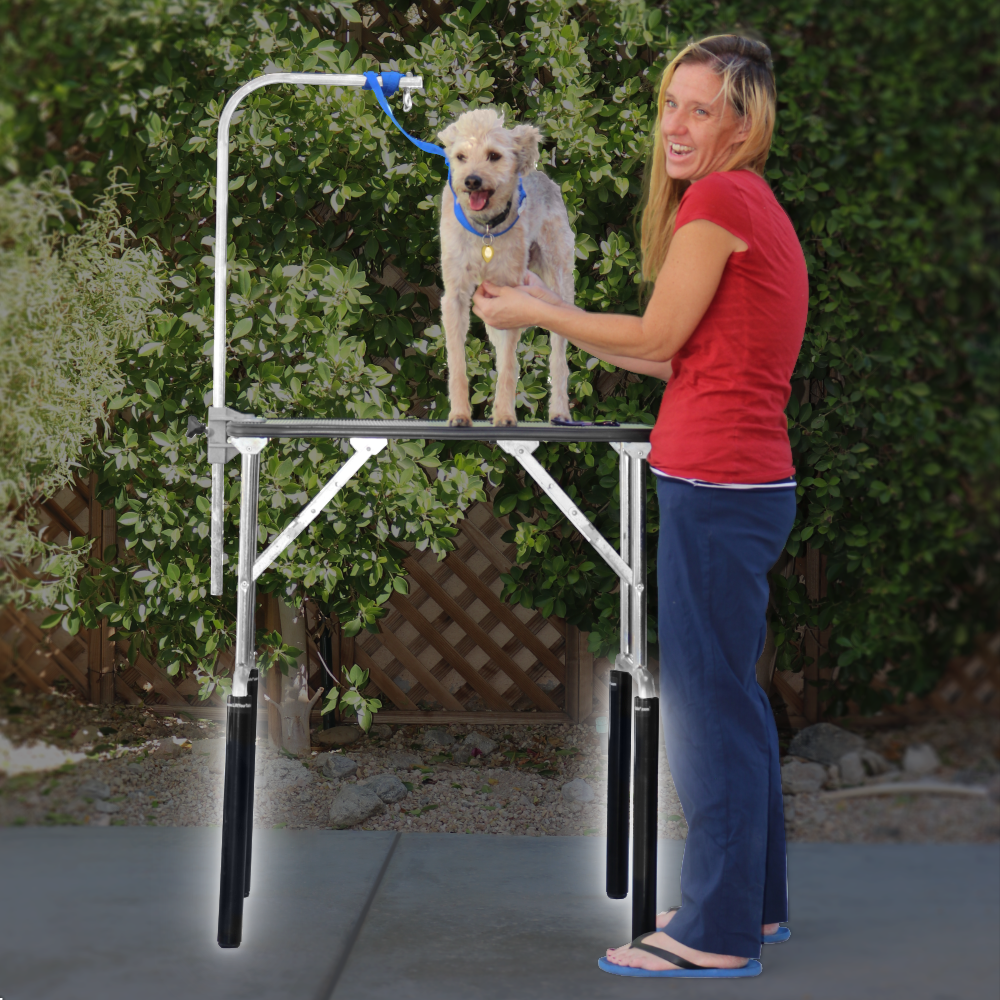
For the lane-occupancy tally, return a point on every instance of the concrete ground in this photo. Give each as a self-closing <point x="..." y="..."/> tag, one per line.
<point x="129" y="914"/>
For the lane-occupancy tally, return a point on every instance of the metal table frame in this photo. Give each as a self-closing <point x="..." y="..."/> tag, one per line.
<point x="634" y="705"/>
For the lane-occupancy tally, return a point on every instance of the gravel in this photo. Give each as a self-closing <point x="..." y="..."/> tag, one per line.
<point x="516" y="787"/>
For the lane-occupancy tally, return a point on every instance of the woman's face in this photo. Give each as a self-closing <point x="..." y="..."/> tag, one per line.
<point x="699" y="129"/>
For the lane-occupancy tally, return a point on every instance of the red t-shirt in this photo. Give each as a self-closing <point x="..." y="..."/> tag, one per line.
<point x="722" y="418"/>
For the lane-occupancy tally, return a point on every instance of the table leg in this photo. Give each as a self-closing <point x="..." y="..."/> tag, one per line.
<point x="241" y="711"/>
<point x="252" y="685"/>
<point x="619" y="773"/>
<point x="644" y="815"/>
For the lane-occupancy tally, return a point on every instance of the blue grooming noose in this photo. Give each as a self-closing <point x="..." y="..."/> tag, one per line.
<point x="390" y="81"/>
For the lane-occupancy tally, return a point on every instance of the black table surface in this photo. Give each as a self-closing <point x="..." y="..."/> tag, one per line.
<point x="436" y="430"/>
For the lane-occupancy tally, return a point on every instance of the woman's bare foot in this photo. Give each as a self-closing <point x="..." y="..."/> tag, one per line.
<point x="662" y="919"/>
<point x="637" y="959"/>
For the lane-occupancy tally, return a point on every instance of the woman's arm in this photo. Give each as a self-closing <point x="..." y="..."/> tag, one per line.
<point x="684" y="290"/>
<point x="658" y="369"/>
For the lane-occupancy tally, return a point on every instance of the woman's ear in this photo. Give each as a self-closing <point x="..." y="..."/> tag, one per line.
<point x="525" y="139"/>
<point x="744" y="129"/>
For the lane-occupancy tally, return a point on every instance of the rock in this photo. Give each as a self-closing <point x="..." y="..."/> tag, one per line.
<point x="95" y="789"/>
<point x="874" y="762"/>
<point x="438" y="738"/>
<point x="211" y="752"/>
<point x="462" y="755"/>
<point x="340" y="736"/>
<point x="136" y="768"/>
<point x="578" y="790"/>
<point x="386" y="786"/>
<point x="353" y="805"/>
<point x="824" y="743"/>
<point x="381" y="731"/>
<point x="100" y="820"/>
<point x="107" y="807"/>
<point x="404" y="760"/>
<point x="85" y="735"/>
<point x="802" y="779"/>
<point x="852" y="768"/>
<point x="921" y="758"/>
<point x="283" y="773"/>
<point x="336" y="766"/>
<point x="167" y="750"/>
<point x="481" y="743"/>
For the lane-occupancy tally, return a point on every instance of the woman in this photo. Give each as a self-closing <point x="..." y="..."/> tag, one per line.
<point x="724" y="325"/>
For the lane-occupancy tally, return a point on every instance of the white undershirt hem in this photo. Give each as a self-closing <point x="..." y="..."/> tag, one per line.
<point x="785" y="484"/>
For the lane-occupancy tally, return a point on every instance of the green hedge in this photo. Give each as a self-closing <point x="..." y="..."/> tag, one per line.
<point x="884" y="159"/>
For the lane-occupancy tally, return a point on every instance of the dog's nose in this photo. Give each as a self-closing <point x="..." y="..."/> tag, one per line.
<point x="473" y="182"/>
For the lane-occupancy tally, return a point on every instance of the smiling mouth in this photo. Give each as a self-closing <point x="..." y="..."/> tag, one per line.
<point x="478" y="200"/>
<point x="676" y="149"/>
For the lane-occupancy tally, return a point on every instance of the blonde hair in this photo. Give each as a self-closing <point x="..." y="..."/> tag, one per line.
<point x="747" y="76"/>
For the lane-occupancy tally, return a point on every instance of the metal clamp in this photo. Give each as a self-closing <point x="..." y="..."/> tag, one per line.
<point x="220" y="448"/>
<point x="645" y="685"/>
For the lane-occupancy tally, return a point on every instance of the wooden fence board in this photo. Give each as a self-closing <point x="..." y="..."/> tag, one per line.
<point x="447" y="603"/>
<point x="483" y="688"/>
<point x="383" y="681"/>
<point x="483" y="543"/>
<point x="510" y="621"/>
<point x="12" y="663"/>
<point x="160" y="680"/>
<point x="420" y="673"/>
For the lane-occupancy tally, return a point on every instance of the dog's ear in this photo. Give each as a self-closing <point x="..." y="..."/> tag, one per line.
<point x="448" y="135"/>
<point x="525" y="139"/>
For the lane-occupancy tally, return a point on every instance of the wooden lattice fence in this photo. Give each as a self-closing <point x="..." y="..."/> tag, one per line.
<point x="450" y="649"/>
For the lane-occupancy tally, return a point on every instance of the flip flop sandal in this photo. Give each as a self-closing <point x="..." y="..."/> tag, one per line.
<point x="781" y="934"/>
<point x="686" y="970"/>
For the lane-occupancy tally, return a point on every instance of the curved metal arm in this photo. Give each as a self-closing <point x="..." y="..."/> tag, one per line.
<point x="406" y="84"/>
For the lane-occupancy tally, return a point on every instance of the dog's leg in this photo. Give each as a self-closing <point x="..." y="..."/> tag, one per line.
<point x="558" y="379"/>
<point x="505" y="343"/>
<point x="455" y="317"/>
<point x="557" y="273"/>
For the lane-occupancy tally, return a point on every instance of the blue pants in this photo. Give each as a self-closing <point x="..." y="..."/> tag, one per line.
<point x="715" y="549"/>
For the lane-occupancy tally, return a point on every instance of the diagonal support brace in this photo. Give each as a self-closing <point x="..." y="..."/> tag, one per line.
<point x="364" y="448"/>
<point x="522" y="451"/>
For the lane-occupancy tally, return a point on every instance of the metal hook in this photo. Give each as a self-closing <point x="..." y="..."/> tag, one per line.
<point x="407" y="99"/>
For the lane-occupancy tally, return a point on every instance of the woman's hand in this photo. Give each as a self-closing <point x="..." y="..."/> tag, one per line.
<point x="540" y="290"/>
<point x="513" y="308"/>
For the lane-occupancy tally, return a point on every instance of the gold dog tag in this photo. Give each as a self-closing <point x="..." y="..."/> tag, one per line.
<point x="487" y="253"/>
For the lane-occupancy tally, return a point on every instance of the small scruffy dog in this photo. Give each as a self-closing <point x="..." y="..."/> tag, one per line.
<point x="486" y="162"/>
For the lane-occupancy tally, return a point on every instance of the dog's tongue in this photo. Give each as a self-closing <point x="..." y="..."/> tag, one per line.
<point x="478" y="199"/>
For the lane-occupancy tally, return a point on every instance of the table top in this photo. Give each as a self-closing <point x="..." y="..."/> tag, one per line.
<point x="437" y="430"/>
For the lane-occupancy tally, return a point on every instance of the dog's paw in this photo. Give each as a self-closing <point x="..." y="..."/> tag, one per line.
<point x="560" y="417"/>
<point x="504" y="420"/>
<point x="459" y="420"/>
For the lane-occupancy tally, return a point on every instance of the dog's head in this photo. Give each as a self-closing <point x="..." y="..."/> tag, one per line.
<point x="487" y="159"/>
